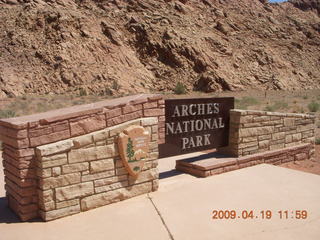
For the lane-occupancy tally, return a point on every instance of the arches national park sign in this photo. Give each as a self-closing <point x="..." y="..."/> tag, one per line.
<point x="195" y="125"/>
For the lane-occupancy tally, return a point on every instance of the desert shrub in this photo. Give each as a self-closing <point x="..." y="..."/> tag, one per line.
<point x="83" y="92"/>
<point x="318" y="141"/>
<point x="180" y="88"/>
<point x="246" y="102"/>
<point x="276" y="106"/>
<point x="305" y="97"/>
<point x="313" y="106"/>
<point x="298" y="109"/>
<point x="269" y="108"/>
<point x="1" y="148"/>
<point x="115" y="85"/>
<point x="7" y="113"/>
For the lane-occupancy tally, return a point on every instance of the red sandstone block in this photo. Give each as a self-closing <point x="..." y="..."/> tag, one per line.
<point x="162" y="135"/>
<point x="17" y="143"/>
<point x="88" y="125"/>
<point x="161" y="118"/>
<point x="20" y="182"/>
<point x="28" y="208"/>
<point x="58" y="127"/>
<point x="161" y="124"/>
<point x="66" y="116"/>
<point x="27" y="152"/>
<point x="33" y="124"/>
<point x="130" y="108"/>
<point x="124" y="118"/>
<point x="13" y="124"/>
<point x="155" y="98"/>
<point x="23" y="192"/>
<point x="249" y="158"/>
<point x="28" y="216"/>
<point x="192" y="171"/>
<point x="161" y="102"/>
<point x="20" y="163"/>
<point x="230" y="168"/>
<point x="162" y="130"/>
<point x="40" y="131"/>
<point x="22" y="200"/>
<point x="153" y="112"/>
<point x="161" y="141"/>
<point x="301" y="156"/>
<point x="150" y="105"/>
<point x="113" y="113"/>
<point x="14" y="133"/>
<point x="20" y="173"/>
<point x="139" y="101"/>
<point x="53" y="137"/>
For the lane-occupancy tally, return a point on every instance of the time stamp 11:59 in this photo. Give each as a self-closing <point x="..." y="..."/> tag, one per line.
<point x="263" y="214"/>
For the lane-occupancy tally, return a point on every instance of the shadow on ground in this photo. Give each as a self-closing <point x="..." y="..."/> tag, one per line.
<point x="7" y="216"/>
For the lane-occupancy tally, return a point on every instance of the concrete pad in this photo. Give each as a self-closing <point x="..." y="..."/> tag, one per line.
<point x="186" y="204"/>
<point x="135" y="218"/>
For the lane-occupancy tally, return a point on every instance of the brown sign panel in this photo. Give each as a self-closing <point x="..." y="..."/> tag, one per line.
<point x="133" y="146"/>
<point x="195" y="125"/>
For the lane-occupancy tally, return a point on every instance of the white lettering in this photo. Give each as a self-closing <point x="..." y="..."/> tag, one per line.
<point x="176" y="112"/>
<point x="184" y="142"/>
<point x="184" y="110"/>
<point x="169" y="128"/>
<point x="199" y="125"/>
<point x="216" y="108"/>
<point x="206" y="139"/>
<point x="221" y="124"/>
<point x="192" y="112"/>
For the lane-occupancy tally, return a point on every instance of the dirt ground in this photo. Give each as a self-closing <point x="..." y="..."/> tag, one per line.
<point x="308" y="165"/>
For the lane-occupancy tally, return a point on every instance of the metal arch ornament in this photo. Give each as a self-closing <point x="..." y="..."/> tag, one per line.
<point x="133" y="145"/>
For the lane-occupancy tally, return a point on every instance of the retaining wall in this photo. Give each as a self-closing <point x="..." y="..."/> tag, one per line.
<point x="259" y="131"/>
<point x="25" y="173"/>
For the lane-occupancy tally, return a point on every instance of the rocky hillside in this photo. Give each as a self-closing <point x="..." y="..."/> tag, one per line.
<point x="127" y="46"/>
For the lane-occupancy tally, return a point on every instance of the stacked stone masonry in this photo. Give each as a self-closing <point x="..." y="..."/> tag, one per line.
<point x="27" y="174"/>
<point x="259" y="131"/>
<point x="216" y="166"/>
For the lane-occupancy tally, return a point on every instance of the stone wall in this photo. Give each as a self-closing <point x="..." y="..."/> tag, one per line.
<point x="22" y="135"/>
<point x="259" y="131"/>
<point x="86" y="172"/>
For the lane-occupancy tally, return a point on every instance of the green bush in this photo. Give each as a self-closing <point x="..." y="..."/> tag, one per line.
<point x="7" y="114"/>
<point x="180" y="88"/>
<point x="313" y="106"/>
<point x="318" y="141"/>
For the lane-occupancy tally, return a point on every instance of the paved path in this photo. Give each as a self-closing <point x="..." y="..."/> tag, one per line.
<point x="182" y="209"/>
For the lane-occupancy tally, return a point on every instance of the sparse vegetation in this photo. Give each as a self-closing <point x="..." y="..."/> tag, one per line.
<point x="245" y="102"/>
<point x="313" y="106"/>
<point x="115" y="85"/>
<point x="276" y="106"/>
<point x="305" y="97"/>
<point x="180" y="89"/>
<point x="7" y="114"/>
<point x="318" y="141"/>
<point x="83" y="92"/>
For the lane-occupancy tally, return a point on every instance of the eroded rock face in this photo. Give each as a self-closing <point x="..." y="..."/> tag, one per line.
<point x="307" y="4"/>
<point x="115" y="47"/>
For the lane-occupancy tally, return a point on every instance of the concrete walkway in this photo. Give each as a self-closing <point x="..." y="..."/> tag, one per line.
<point x="182" y="209"/>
